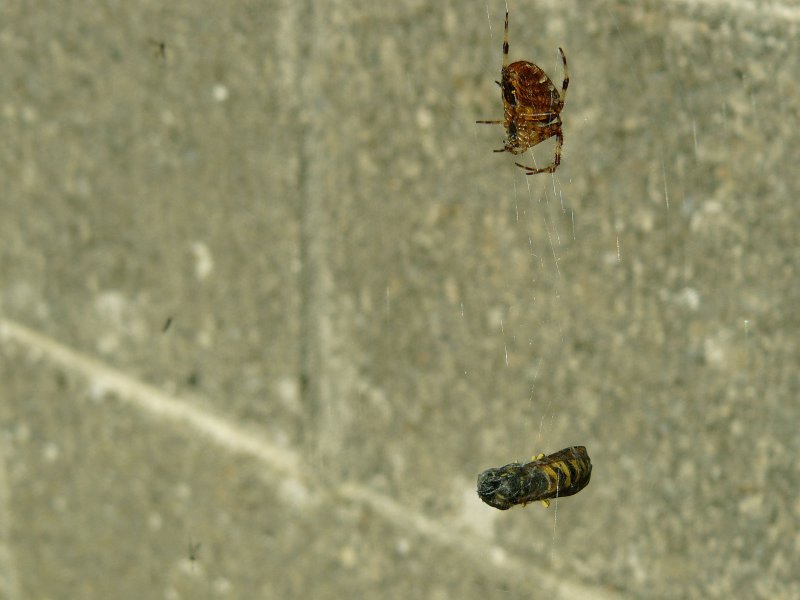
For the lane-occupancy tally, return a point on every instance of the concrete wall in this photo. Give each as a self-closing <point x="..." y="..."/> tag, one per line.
<point x="367" y="306"/>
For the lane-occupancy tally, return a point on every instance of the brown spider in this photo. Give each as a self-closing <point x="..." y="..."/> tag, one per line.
<point x="532" y="107"/>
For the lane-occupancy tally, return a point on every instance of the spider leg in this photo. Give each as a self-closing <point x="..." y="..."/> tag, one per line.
<point x="505" y="43"/>
<point x="494" y="123"/>
<point x="565" y="83"/>
<point x="556" y="159"/>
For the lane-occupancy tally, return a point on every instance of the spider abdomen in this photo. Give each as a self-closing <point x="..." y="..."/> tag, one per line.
<point x="534" y="92"/>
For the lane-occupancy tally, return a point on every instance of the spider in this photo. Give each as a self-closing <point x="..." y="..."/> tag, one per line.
<point x="532" y="107"/>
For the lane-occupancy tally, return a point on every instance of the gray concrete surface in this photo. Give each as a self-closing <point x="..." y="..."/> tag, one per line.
<point x="369" y="306"/>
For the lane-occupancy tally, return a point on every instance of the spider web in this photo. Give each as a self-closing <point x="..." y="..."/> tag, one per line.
<point x="371" y="307"/>
<point x="683" y="99"/>
<point x="547" y="221"/>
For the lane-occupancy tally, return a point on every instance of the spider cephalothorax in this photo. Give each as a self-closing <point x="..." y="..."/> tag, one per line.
<point x="532" y="107"/>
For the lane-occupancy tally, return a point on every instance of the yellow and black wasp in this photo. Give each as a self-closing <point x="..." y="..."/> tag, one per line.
<point x="560" y="474"/>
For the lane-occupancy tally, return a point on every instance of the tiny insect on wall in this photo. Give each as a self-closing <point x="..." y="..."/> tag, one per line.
<point x="532" y="107"/>
<point x="563" y="473"/>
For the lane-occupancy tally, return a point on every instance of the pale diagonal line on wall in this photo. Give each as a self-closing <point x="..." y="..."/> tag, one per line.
<point x="489" y="558"/>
